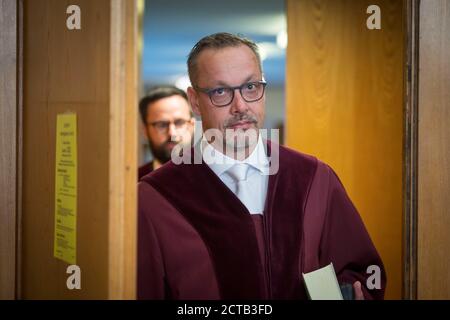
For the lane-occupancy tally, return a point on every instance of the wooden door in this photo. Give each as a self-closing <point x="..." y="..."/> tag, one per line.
<point x="9" y="146"/>
<point x="433" y="176"/>
<point x="344" y="98"/>
<point x="91" y="73"/>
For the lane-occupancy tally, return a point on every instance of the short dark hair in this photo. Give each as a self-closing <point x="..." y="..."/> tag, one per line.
<point x="218" y="41"/>
<point x="156" y="93"/>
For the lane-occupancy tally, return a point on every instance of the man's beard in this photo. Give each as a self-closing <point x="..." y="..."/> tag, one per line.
<point x="163" y="152"/>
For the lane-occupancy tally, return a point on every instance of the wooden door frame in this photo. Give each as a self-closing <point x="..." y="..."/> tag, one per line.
<point x="410" y="149"/>
<point x="123" y="192"/>
<point x="10" y="146"/>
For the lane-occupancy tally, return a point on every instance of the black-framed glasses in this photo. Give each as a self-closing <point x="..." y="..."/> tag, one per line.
<point x="163" y="126"/>
<point x="223" y="96"/>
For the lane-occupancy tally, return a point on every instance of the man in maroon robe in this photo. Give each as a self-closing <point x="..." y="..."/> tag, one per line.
<point x="167" y="121"/>
<point x="209" y="230"/>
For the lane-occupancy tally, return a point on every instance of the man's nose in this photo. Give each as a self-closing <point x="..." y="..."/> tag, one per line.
<point x="238" y="105"/>
<point x="172" y="130"/>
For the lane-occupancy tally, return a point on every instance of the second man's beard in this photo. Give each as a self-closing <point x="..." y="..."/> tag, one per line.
<point x="162" y="153"/>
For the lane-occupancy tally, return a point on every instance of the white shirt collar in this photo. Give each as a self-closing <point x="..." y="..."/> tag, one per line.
<point x="219" y="162"/>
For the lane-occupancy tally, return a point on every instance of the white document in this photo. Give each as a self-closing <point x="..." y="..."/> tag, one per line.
<point x="322" y="284"/>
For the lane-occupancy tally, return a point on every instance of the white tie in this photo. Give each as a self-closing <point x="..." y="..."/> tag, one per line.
<point x="239" y="173"/>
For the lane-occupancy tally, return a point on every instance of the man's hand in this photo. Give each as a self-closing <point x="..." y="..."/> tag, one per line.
<point x="358" y="291"/>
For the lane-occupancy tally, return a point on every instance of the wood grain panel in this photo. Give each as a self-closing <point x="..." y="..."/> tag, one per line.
<point x="434" y="151"/>
<point x="345" y="106"/>
<point x="410" y="151"/>
<point x="77" y="71"/>
<point x="123" y="151"/>
<point x="8" y="147"/>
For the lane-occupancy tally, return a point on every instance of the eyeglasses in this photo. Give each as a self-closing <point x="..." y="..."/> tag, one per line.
<point x="223" y="96"/>
<point x="163" y="126"/>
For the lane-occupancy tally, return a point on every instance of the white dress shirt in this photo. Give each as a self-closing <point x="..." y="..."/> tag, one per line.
<point x="251" y="189"/>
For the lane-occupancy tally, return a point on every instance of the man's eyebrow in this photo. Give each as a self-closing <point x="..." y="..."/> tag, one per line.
<point x="221" y="83"/>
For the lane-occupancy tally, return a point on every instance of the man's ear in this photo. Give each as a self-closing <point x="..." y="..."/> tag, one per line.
<point x="193" y="100"/>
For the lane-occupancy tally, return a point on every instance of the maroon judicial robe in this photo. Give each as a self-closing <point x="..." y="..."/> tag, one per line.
<point x="145" y="169"/>
<point x="196" y="240"/>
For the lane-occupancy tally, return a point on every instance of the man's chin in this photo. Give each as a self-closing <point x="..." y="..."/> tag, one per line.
<point x="164" y="155"/>
<point x="241" y="143"/>
<point x="173" y="147"/>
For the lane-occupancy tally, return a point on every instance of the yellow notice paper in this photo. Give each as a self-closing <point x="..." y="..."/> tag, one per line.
<point x="322" y="284"/>
<point x="66" y="188"/>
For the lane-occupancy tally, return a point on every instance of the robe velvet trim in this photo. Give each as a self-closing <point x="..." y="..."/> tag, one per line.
<point x="226" y="227"/>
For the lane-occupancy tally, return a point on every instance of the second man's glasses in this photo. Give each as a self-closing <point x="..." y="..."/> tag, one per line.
<point x="163" y="126"/>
